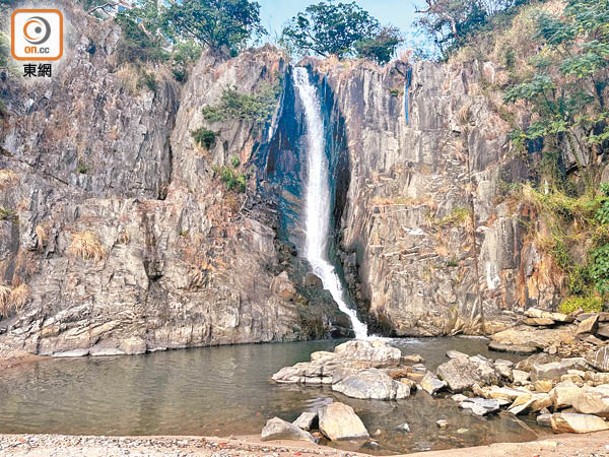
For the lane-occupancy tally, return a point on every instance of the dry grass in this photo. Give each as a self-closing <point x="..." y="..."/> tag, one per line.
<point x="128" y="77"/>
<point x="5" y="294"/>
<point x="12" y="300"/>
<point x="86" y="245"/>
<point x="8" y="178"/>
<point x="19" y="296"/>
<point x="41" y="237"/>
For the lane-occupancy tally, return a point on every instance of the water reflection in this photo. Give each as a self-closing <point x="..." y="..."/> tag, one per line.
<point x="224" y="391"/>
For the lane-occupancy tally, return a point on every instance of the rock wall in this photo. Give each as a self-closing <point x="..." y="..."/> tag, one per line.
<point x="116" y="235"/>
<point x="432" y="245"/>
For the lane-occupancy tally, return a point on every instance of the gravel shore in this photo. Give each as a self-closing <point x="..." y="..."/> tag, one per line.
<point x="592" y="445"/>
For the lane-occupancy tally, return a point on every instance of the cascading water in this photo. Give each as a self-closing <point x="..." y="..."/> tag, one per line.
<point x="317" y="199"/>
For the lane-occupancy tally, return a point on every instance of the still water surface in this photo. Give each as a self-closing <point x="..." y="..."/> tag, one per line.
<point x="227" y="391"/>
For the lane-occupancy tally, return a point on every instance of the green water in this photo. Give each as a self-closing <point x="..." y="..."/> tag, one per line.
<point x="227" y="391"/>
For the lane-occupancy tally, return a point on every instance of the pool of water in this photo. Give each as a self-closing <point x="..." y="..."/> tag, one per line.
<point x="227" y="391"/>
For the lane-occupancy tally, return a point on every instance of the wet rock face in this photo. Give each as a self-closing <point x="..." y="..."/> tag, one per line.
<point x="423" y="213"/>
<point x="125" y="240"/>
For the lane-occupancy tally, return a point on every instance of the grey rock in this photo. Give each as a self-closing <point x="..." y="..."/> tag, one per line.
<point x="599" y="359"/>
<point x="306" y="420"/>
<point x="462" y="373"/>
<point x="278" y="429"/>
<point x="372" y="384"/>
<point x="481" y="406"/>
<point x="403" y="428"/>
<point x="554" y="370"/>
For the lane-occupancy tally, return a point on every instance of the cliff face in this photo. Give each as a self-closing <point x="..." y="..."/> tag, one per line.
<point x="117" y="236"/>
<point x="436" y="246"/>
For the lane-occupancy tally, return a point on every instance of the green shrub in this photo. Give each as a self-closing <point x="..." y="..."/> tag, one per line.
<point x="257" y="107"/>
<point x="233" y="179"/>
<point x="235" y="162"/>
<point x="204" y="137"/>
<point x="588" y="304"/>
<point x="7" y="213"/>
<point x="599" y="269"/>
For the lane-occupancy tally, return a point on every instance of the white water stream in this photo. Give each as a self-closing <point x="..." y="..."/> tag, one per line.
<point x="317" y="199"/>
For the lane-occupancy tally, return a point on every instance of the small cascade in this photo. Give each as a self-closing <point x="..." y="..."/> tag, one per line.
<point x="318" y="199"/>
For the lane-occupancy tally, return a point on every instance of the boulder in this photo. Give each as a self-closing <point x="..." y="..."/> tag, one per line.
<point x="577" y="423"/>
<point x="564" y="394"/>
<point x="530" y="402"/>
<point x="372" y="384"/>
<point x="338" y="421"/>
<point x="554" y="370"/>
<point x="544" y="386"/>
<point x="558" y="317"/>
<point x="370" y="354"/>
<point x="589" y="325"/>
<point x="412" y="358"/>
<point x="312" y="280"/>
<point x="480" y="406"/>
<point x="539" y="322"/>
<point x="431" y="384"/>
<point x="462" y="373"/>
<point x="544" y="420"/>
<point x="511" y="347"/>
<point x="599" y="359"/>
<point x="520" y="377"/>
<point x="603" y="331"/>
<point x="452" y="354"/>
<point x="593" y="400"/>
<point x="403" y="428"/>
<point x="306" y="420"/>
<point x="278" y="429"/>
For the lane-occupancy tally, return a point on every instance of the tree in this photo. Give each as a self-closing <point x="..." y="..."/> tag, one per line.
<point x="341" y="29"/>
<point x="222" y="25"/>
<point x="381" y="47"/>
<point x="566" y="90"/>
<point x="451" y="22"/>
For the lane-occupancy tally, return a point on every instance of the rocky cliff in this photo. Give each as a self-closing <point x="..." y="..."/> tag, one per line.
<point x="117" y="234"/>
<point x="433" y="245"/>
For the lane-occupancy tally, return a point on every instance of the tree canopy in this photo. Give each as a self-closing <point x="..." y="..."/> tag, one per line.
<point x="343" y="30"/>
<point x="223" y="25"/>
<point x="451" y="22"/>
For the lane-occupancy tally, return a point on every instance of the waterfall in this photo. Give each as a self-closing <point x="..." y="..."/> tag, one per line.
<point x="317" y="199"/>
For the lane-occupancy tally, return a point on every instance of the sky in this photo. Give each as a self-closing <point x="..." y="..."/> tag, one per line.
<point x="400" y="13"/>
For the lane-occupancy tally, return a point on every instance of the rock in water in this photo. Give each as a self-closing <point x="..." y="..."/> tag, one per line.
<point x="278" y="429"/>
<point x="372" y="384"/>
<point x="462" y="373"/>
<point x="480" y="406"/>
<point x="305" y="420"/>
<point x="431" y="384"/>
<point x="371" y="354"/>
<point x="338" y="421"/>
<point x="577" y="423"/>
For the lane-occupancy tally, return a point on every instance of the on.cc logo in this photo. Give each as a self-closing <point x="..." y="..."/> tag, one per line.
<point x="37" y="30"/>
<point x="37" y="34"/>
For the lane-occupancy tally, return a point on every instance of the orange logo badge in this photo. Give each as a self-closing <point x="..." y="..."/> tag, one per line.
<point x="37" y="34"/>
